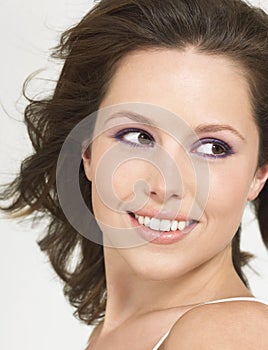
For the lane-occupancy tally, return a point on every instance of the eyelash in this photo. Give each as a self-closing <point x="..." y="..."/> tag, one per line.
<point x="120" y="135"/>
<point x="226" y="148"/>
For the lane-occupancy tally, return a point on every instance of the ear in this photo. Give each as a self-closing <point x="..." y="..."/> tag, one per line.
<point x="87" y="164"/>
<point x="258" y="182"/>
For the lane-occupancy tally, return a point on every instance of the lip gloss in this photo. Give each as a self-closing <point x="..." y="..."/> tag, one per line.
<point x="161" y="237"/>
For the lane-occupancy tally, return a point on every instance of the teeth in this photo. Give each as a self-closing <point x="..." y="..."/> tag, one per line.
<point x="174" y="225"/>
<point x="141" y="220"/>
<point x="165" y="225"/>
<point x="182" y="225"/>
<point x="147" y="221"/>
<point x="155" y="224"/>
<point x="162" y="225"/>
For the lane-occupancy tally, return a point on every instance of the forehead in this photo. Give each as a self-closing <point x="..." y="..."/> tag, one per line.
<point x="190" y="84"/>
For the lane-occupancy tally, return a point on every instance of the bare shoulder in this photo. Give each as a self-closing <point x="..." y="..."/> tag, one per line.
<point x="230" y="325"/>
<point x="95" y="332"/>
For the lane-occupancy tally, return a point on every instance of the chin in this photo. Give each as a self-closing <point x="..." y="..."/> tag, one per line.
<point x="158" y="268"/>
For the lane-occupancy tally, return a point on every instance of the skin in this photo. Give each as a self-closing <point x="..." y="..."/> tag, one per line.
<point x="153" y="285"/>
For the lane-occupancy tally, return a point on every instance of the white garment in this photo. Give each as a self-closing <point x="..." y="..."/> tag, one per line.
<point x="211" y="302"/>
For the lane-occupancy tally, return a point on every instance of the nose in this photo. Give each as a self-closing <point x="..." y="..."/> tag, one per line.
<point x="169" y="173"/>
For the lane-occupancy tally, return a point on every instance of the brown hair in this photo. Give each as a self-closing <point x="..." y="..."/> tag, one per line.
<point x="92" y="51"/>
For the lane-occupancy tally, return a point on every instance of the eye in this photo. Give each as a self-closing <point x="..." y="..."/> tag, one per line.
<point x="212" y="148"/>
<point x="135" y="137"/>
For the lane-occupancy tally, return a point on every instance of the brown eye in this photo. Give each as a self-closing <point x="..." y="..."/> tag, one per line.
<point x="135" y="138"/>
<point x="212" y="148"/>
<point x="144" y="139"/>
<point x="217" y="149"/>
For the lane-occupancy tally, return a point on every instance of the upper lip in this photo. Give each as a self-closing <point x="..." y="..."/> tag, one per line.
<point x="162" y="215"/>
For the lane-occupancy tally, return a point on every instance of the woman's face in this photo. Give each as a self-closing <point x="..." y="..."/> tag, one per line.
<point x="211" y="96"/>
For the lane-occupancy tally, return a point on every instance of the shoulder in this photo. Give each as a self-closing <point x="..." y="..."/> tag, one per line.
<point x="95" y="332"/>
<point x="230" y="325"/>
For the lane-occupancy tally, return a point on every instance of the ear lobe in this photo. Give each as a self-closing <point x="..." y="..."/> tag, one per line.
<point x="258" y="182"/>
<point x="87" y="165"/>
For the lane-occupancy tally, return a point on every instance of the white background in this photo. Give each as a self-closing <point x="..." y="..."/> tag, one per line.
<point x="34" y="313"/>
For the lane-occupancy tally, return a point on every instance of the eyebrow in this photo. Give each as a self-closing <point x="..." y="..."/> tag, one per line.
<point x="133" y="116"/>
<point x="202" y="128"/>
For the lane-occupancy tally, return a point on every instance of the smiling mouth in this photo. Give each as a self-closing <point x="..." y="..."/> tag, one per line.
<point x="163" y="225"/>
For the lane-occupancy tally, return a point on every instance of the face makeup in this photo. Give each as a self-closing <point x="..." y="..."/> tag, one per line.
<point x="210" y="95"/>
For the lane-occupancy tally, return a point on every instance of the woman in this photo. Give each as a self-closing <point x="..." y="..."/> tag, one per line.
<point x="176" y="94"/>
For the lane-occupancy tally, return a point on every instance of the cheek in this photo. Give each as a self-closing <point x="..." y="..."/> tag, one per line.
<point x="228" y="192"/>
<point x="130" y="178"/>
<point x="116" y="184"/>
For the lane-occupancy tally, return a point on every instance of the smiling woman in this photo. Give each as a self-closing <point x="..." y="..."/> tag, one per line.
<point x="164" y="104"/>
<point x="219" y="146"/>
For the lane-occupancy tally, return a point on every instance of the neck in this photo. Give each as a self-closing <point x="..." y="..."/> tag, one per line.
<point x="130" y="296"/>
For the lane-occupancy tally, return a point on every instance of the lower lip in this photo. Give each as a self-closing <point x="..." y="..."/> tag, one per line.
<point x="164" y="237"/>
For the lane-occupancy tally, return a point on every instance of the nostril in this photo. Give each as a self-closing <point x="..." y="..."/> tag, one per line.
<point x="154" y="193"/>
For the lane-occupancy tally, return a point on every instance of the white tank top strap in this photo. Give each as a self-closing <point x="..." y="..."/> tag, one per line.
<point x="212" y="302"/>
<point x="157" y="346"/>
<point x="235" y="299"/>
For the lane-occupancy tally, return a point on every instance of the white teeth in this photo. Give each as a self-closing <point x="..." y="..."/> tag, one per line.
<point x="147" y="221"/>
<point x="174" y="225"/>
<point x="155" y="224"/>
<point x="182" y="225"/>
<point x="162" y="225"/>
<point x="165" y="225"/>
<point x="141" y="220"/>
